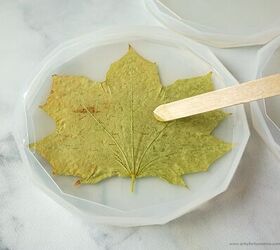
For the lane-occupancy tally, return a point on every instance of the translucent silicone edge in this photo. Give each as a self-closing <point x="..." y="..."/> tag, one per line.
<point x="215" y="39"/>
<point x="261" y="121"/>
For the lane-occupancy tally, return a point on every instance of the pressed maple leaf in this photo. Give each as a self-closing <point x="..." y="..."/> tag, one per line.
<point x="107" y="129"/>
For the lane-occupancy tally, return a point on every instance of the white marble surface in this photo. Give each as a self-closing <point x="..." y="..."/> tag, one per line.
<point x="247" y="212"/>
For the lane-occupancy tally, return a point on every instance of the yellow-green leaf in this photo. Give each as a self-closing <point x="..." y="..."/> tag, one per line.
<point x="106" y="129"/>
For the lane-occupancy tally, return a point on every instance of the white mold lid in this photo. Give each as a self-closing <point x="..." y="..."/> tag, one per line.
<point x="111" y="202"/>
<point x="266" y="113"/>
<point x="220" y="23"/>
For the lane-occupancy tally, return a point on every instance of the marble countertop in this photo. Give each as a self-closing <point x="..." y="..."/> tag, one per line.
<point x="247" y="213"/>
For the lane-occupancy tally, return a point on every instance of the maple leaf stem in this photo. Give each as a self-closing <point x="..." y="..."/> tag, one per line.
<point x="132" y="130"/>
<point x="132" y="183"/>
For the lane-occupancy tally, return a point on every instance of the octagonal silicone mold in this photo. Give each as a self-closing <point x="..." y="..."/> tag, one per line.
<point x="111" y="202"/>
<point x="266" y="113"/>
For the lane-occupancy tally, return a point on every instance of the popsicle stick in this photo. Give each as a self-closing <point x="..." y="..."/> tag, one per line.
<point x="243" y="93"/>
